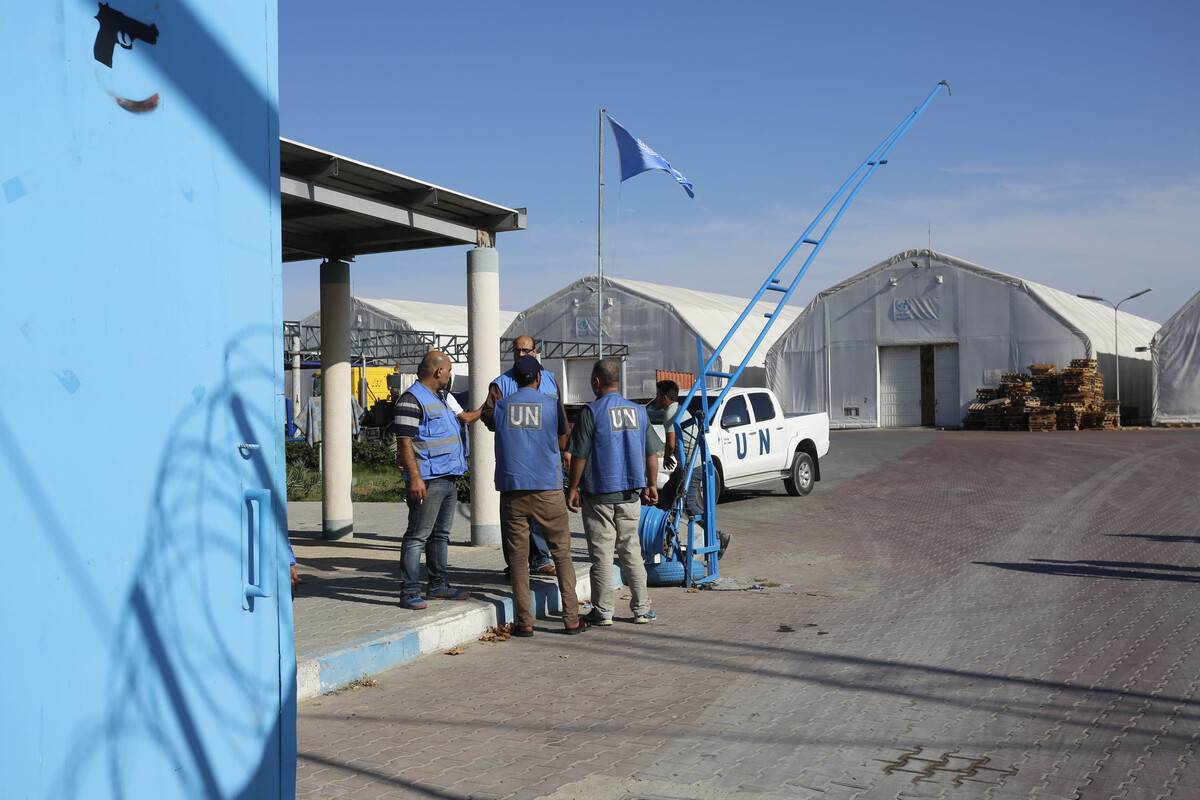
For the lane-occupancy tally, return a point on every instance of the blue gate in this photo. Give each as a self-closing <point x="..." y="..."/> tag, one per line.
<point x="145" y="611"/>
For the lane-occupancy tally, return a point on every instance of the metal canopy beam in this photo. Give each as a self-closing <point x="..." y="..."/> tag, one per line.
<point x="411" y="197"/>
<point x="326" y="167"/>
<point x="396" y="215"/>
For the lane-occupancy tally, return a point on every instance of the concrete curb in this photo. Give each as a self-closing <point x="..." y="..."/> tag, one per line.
<point x="319" y="673"/>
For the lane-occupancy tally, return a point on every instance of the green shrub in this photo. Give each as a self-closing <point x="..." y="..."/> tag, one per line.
<point x="380" y="453"/>
<point x="303" y="483"/>
<point x="302" y="454"/>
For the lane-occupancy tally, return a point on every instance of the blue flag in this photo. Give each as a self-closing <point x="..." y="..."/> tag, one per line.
<point x="637" y="157"/>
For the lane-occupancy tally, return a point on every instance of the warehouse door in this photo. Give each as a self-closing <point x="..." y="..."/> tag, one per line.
<point x="948" y="405"/>
<point x="928" y="397"/>
<point x="899" y="387"/>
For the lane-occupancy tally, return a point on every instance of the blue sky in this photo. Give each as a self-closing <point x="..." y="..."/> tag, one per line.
<point x="1068" y="154"/>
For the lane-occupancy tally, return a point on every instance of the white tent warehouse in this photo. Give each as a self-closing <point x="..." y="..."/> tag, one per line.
<point x="658" y="323"/>
<point x="411" y="315"/>
<point x="908" y="341"/>
<point x="1176" y="352"/>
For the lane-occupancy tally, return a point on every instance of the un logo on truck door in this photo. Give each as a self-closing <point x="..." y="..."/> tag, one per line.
<point x="623" y="419"/>
<point x="525" y="415"/>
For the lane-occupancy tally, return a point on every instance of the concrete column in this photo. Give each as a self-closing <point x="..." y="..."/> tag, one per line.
<point x="483" y="333"/>
<point x="294" y="343"/>
<point x="337" y="515"/>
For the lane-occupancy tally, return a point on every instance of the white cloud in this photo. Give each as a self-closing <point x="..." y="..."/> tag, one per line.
<point x="1074" y="228"/>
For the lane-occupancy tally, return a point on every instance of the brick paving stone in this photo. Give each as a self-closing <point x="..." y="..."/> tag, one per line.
<point x="1024" y="599"/>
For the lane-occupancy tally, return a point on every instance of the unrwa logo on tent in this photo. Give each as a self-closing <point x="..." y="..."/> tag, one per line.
<point x="623" y="419"/>
<point x="525" y="415"/>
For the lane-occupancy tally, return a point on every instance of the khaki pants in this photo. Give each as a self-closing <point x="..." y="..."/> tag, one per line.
<point x="549" y="510"/>
<point x="614" y="527"/>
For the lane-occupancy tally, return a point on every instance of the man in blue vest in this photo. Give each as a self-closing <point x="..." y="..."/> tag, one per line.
<point x="614" y="463"/>
<point x="503" y="386"/>
<point x="531" y="432"/>
<point x="430" y="449"/>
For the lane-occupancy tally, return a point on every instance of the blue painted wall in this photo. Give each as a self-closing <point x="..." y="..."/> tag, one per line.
<point x="140" y="344"/>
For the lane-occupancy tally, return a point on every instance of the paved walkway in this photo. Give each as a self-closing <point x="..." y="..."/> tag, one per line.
<point x="349" y="623"/>
<point x="979" y="615"/>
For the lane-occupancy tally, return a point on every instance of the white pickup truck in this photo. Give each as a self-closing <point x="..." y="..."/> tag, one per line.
<point x="752" y="441"/>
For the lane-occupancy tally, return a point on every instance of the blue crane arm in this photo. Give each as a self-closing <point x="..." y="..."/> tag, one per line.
<point x="846" y="193"/>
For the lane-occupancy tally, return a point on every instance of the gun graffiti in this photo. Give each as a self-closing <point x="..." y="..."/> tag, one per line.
<point x="117" y="28"/>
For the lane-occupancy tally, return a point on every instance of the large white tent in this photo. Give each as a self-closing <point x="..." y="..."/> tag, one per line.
<point x="408" y="315"/>
<point x="908" y="341"/>
<point x="1176" y="352"/>
<point x="368" y="313"/>
<point x="658" y="323"/>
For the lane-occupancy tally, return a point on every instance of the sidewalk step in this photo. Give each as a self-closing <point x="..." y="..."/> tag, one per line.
<point x="331" y="669"/>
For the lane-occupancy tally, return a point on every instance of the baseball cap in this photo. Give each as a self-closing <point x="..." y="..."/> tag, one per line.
<point x="527" y="367"/>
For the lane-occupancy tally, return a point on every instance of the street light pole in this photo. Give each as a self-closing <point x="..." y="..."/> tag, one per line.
<point x="1116" y="338"/>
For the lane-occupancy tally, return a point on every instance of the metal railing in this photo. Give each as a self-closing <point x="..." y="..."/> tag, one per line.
<point x="387" y="346"/>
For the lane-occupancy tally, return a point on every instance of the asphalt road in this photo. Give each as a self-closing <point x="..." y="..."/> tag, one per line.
<point x="948" y="615"/>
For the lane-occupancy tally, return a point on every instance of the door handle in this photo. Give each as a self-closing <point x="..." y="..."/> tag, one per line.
<point x="256" y="516"/>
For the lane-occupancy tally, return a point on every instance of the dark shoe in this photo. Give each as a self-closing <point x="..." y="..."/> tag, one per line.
<point x="413" y="602"/>
<point x="594" y="617"/>
<point x="546" y="569"/>
<point x="448" y="593"/>
<point x="580" y="627"/>
<point x="524" y="631"/>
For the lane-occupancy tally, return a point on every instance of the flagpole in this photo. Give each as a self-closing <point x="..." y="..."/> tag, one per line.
<point x="600" y="237"/>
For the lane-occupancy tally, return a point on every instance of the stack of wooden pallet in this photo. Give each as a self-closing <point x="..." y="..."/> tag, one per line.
<point x="1044" y="400"/>
<point x="1044" y="419"/>
<point x="1112" y="415"/>
<point x="1070" y="416"/>
<point x="974" y="420"/>
<point x="1046" y="383"/>
<point x="993" y="414"/>
<point x="1016" y="384"/>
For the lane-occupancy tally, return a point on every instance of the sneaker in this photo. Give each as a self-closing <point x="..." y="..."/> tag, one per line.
<point x="448" y="593"/>
<point x="594" y="617"/>
<point x="413" y="602"/>
<point x="644" y="619"/>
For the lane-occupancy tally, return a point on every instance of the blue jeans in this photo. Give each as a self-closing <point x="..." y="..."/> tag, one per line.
<point x="429" y="532"/>
<point x="691" y="503"/>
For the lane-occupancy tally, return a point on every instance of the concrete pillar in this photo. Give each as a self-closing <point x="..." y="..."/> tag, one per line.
<point x="297" y="399"/>
<point x="483" y="333"/>
<point x="337" y="515"/>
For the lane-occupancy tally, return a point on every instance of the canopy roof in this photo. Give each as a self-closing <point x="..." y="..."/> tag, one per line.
<point x="1092" y="321"/>
<point x="336" y="207"/>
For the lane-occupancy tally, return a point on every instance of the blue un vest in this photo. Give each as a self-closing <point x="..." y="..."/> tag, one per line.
<point x="508" y="384"/>
<point x="618" y="459"/>
<point x="527" y="456"/>
<point x="439" y="444"/>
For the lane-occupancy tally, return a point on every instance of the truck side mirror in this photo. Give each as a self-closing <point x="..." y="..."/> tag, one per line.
<point x="733" y="420"/>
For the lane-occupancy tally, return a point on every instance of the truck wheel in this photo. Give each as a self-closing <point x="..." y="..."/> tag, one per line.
<point x="719" y="480"/>
<point x="799" y="481"/>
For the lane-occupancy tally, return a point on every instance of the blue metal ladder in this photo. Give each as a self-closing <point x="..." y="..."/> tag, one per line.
<point x="774" y="282"/>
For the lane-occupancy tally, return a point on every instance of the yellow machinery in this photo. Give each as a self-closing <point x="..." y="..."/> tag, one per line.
<point x="377" y="386"/>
